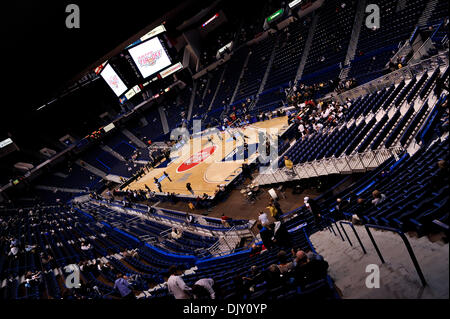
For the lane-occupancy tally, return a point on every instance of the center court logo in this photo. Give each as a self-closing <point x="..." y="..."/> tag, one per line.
<point x="149" y="58"/>
<point x="196" y="159"/>
<point x="114" y="81"/>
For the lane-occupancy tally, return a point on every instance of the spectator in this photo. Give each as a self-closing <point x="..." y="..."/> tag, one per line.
<point x="225" y="221"/>
<point x="307" y="270"/>
<point x="263" y="219"/>
<point x="252" y="279"/>
<point x="203" y="289"/>
<point x="266" y="236"/>
<point x="274" y="211"/>
<point x="14" y="251"/>
<point x="289" y="165"/>
<point x="440" y="178"/>
<point x="281" y="235"/>
<point x="30" y="248"/>
<point x="189" y="219"/>
<point x="176" y="285"/>
<point x="123" y="287"/>
<point x="314" y="208"/>
<point x="340" y="207"/>
<point x="255" y="250"/>
<point x="283" y="263"/>
<point x="272" y="276"/>
<point x="175" y="234"/>
<point x="85" y="246"/>
<point x="378" y="198"/>
<point x="360" y="210"/>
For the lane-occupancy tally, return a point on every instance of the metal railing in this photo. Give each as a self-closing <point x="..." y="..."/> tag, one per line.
<point x="355" y="232"/>
<point x="405" y="241"/>
<point x="344" y="164"/>
<point x="422" y="51"/>
<point x="372" y="239"/>
<point x="384" y="81"/>
<point x="225" y="245"/>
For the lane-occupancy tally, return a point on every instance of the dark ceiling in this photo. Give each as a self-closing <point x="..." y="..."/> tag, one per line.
<point x="41" y="55"/>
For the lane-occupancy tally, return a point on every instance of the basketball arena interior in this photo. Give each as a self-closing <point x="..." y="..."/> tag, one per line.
<point x="258" y="151"/>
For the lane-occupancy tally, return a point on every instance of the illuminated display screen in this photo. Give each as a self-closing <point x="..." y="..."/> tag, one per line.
<point x="114" y="81"/>
<point x="150" y="57"/>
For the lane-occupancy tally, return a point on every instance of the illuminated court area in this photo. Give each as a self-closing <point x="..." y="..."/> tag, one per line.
<point x="207" y="164"/>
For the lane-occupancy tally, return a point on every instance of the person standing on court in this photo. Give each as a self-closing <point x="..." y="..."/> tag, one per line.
<point x="158" y="184"/>
<point x="189" y="188"/>
<point x="167" y="175"/>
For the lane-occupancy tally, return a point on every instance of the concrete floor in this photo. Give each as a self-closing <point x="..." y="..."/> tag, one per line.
<point x="237" y="207"/>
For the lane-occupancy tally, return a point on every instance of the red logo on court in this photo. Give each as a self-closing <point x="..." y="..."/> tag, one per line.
<point x="196" y="159"/>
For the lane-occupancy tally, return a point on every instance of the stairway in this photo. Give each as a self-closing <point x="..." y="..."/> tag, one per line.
<point x="308" y="44"/>
<point x="426" y="14"/>
<point x="269" y="66"/>
<point x="351" y="50"/>
<point x="133" y="138"/>
<point x="401" y="4"/>
<point x="191" y="103"/>
<point x="240" y="77"/>
<point x="109" y="150"/>
<point x="91" y="168"/>
<point x="164" y="122"/>
<point x="59" y="189"/>
<point x="398" y="276"/>
<point x="217" y="88"/>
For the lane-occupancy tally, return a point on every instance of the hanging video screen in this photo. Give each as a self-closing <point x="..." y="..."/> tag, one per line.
<point x="113" y="80"/>
<point x="150" y="57"/>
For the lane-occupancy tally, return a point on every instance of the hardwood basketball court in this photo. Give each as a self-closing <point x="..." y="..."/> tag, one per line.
<point x="208" y="164"/>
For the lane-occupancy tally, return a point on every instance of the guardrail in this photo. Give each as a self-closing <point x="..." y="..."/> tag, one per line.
<point x="344" y="164"/>
<point x="230" y="240"/>
<point x="405" y="241"/>
<point x="384" y="81"/>
<point x="377" y="249"/>
<point x="355" y="232"/>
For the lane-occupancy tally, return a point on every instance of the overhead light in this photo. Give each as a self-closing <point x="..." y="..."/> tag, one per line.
<point x="275" y="15"/>
<point x="295" y="3"/>
<point x="210" y="20"/>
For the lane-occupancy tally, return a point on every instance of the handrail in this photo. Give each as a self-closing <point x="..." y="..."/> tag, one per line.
<point x="224" y="239"/>
<point x="395" y="76"/>
<point x="355" y="232"/>
<point x="332" y="221"/>
<point x="332" y="165"/>
<point x="308" y="240"/>
<point x="406" y="242"/>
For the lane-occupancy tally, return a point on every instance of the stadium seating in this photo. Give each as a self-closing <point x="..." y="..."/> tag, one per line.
<point x="134" y="238"/>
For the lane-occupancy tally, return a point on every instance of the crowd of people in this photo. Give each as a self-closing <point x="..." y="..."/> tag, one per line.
<point x="346" y="85"/>
<point x="294" y="269"/>
<point x="313" y="116"/>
